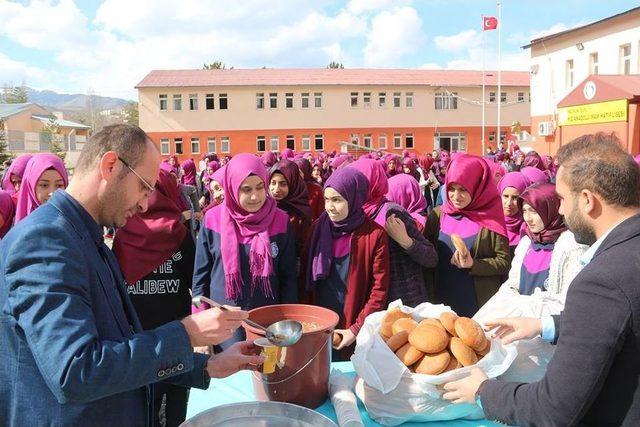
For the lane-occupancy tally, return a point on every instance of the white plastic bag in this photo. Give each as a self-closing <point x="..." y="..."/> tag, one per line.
<point x="533" y="355"/>
<point x="393" y="395"/>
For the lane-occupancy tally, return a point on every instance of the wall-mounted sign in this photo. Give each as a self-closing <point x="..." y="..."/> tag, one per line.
<point x="589" y="90"/>
<point x="599" y="112"/>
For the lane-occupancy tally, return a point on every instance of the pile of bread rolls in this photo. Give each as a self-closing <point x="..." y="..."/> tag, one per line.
<point x="434" y="346"/>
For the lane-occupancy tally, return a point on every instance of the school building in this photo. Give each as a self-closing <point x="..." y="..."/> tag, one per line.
<point x="192" y="112"/>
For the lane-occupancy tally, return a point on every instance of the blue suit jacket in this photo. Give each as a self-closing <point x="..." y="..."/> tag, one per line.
<point x="72" y="351"/>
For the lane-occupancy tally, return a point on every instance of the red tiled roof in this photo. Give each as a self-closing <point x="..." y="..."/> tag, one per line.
<point x="327" y="77"/>
<point x="608" y="88"/>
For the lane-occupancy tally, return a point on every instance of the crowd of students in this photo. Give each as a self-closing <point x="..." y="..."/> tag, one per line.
<point x="349" y="234"/>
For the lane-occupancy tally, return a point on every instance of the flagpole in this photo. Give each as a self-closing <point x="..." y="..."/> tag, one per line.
<point x="483" y="88"/>
<point x="498" y="135"/>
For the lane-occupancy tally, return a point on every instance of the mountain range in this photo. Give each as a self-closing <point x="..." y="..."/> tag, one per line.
<point x="76" y="101"/>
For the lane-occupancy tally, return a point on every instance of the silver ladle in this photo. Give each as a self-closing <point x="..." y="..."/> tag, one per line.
<point x="282" y="334"/>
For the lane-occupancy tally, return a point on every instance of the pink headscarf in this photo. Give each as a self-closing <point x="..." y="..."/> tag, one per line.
<point x="7" y="211"/>
<point x="405" y="191"/>
<point x="497" y="169"/>
<point x="288" y="154"/>
<point x="514" y="223"/>
<point x="236" y="223"/>
<point x="534" y="175"/>
<point x="39" y="163"/>
<point x="378" y="184"/>
<point x="189" y="169"/>
<point x="474" y="174"/>
<point x="17" y="168"/>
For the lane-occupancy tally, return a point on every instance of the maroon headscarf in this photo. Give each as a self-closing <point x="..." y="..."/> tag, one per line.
<point x="17" y="168"/>
<point x="305" y="167"/>
<point x="544" y="200"/>
<point x="182" y="204"/>
<point x="535" y="175"/>
<point x="7" y="211"/>
<point x="474" y="174"/>
<point x="149" y="238"/>
<point x="425" y="163"/>
<point x="514" y="223"/>
<point x="269" y="159"/>
<point x="533" y="159"/>
<point x="298" y="197"/>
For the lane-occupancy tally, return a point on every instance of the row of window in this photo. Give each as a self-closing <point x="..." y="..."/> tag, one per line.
<point x="443" y="100"/>
<point x="178" y="148"/>
<point x="624" y="64"/>
<point x="209" y="101"/>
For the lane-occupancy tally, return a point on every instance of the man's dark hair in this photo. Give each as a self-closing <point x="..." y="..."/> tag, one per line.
<point x="130" y="142"/>
<point x="598" y="163"/>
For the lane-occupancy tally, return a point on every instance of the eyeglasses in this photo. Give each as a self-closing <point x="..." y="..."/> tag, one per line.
<point x="149" y="187"/>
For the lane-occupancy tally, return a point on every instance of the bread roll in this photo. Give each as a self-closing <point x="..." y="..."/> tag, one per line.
<point x="409" y="354"/>
<point x="470" y="333"/>
<point x="429" y="338"/>
<point x="403" y="324"/>
<point x="465" y="354"/>
<point x="398" y="340"/>
<point x="459" y="244"/>
<point x="433" y="364"/>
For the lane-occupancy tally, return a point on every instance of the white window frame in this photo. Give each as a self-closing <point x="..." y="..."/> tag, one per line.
<point x="195" y="140"/>
<point x="354" y="100"/>
<point x="305" y="142"/>
<point x="177" y="141"/>
<point x="397" y="99"/>
<point x="317" y="96"/>
<point x="165" y="147"/>
<point x="382" y="141"/>
<point x="290" y="138"/>
<point x="177" y="98"/>
<point x="397" y="140"/>
<point x="593" y="63"/>
<point x="274" y="143"/>
<point x="568" y="78"/>
<point x="492" y="97"/>
<point x="503" y="97"/>
<point x="367" y="140"/>
<point x="273" y="100"/>
<point x="288" y="99"/>
<point x="320" y="137"/>
<point x="366" y="99"/>
<point x="413" y="140"/>
<point x="210" y="97"/>
<point x="261" y="139"/>
<point x="382" y="99"/>
<point x="520" y="96"/>
<point x="260" y="101"/>
<point x="408" y="100"/>
<point x="163" y="98"/>
<point x="304" y="98"/>
<point x="225" y="140"/>
<point x="222" y="96"/>
<point x="625" y="60"/>
<point x="211" y="140"/>
<point x="448" y="100"/>
<point x="193" y="102"/>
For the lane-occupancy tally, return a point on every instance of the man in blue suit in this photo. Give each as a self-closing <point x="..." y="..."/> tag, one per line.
<point x="72" y="351"/>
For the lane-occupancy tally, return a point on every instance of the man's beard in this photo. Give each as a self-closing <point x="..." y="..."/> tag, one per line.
<point x="582" y="231"/>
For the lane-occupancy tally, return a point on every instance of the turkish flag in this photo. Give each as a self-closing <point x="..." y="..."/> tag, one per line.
<point x="489" y="23"/>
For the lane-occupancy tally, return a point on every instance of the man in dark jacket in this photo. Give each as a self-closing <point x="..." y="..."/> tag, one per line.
<point x="594" y="375"/>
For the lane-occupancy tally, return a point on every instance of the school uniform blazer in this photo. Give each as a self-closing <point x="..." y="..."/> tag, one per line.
<point x="594" y="375"/>
<point x="72" y="351"/>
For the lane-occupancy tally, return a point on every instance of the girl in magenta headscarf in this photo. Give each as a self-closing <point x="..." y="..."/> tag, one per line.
<point x="269" y="159"/>
<point x="534" y="175"/>
<point x="7" y="212"/>
<point x="533" y="159"/>
<point x="409" y="250"/>
<point x="471" y="211"/>
<point x="497" y="170"/>
<point x="215" y="192"/>
<point x="393" y="165"/>
<point x="405" y="191"/>
<point x="410" y="168"/>
<point x="44" y="174"/>
<point x="510" y="188"/>
<point x="13" y="176"/>
<point x="188" y="172"/>
<point x="246" y="249"/>
<point x="288" y="154"/>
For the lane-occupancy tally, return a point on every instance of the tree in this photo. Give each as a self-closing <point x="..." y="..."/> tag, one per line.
<point x="15" y="94"/>
<point x="334" y="64"/>
<point x="215" y="65"/>
<point x="131" y="114"/>
<point x="51" y="133"/>
<point x="4" y="151"/>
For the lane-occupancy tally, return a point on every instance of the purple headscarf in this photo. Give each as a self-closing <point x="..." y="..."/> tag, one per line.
<point x="27" y="199"/>
<point x="533" y="159"/>
<point x="514" y="223"/>
<point x="534" y="175"/>
<point x="288" y="154"/>
<point x="544" y="200"/>
<point x="269" y="159"/>
<point x="7" y="211"/>
<point x="354" y="187"/>
<point x="189" y="169"/>
<point x="405" y="191"/>
<point x="298" y="197"/>
<point x="17" y="168"/>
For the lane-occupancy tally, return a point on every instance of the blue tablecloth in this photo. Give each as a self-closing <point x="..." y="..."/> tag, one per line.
<point x="239" y="388"/>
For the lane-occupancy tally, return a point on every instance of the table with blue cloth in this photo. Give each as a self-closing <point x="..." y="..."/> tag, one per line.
<point x="239" y="388"/>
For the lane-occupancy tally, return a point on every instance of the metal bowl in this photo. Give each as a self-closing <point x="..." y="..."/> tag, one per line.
<point x="285" y="333"/>
<point x="259" y="414"/>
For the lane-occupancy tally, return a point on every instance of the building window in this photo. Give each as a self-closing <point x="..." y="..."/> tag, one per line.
<point x="367" y="140"/>
<point x="408" y="140"/>
<point x="195" y="145"/>
<point x="273" y="100"/>
<point x="163" y="102"/>
<point x="569" y="73"/>
<point x="382" y="99"/>
<point x="304" y="98"/>
<point x="593" y="63"/>
<point x="503" y="136"/>
<point x="225" y="144"/>
<point x="492" y="97"/>
<point x="260" y="101"/>
<point x="354" y="99"/>
<point x="291" y="142"/>
<point x="164" y="146"/>
<point x="397" y="140"/>
<point x="625" y="59"/>
<point x="492" y="136"/>
<point x="193" y="102"/>
<point x="222" y="101"/>
<point x="306" y="142"/>
<point x="177" y="102"/>
<point x="275" y="143"/>
<point x="355" y="139"/>
<point x="408" y="99"/>
<point x="366" y="99"/>
<point x="396" y="99"/>
<point x="288" y="98"/>
<point x="319" y="142"/>
<point x="318" y="99"/>
<point x="209" y="101"/>
<point x="503" y="97"/>
<point x="211" y="145"/>
<point x="520" y="96"/>
<point x="446" y="100"/>
<point x="261" y="143"/>
<point x="178" y="144"/>
<point x="382" y="140"/>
